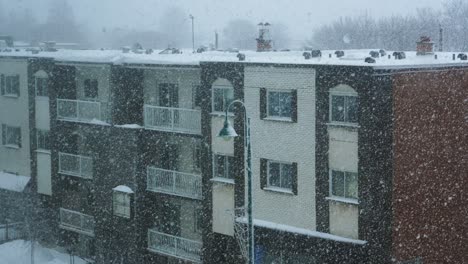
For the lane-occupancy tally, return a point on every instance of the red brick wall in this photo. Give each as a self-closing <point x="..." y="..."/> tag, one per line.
<point x="430" y="198"/>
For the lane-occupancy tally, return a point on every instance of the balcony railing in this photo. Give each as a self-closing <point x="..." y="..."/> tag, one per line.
<point x="81" y="111"/>
<point x="175" y="183"/>
<point x="77" y="222"/>
<point x="174" y="246"/>
<point x="76" y="165"/>
<point x="173" y="119"/>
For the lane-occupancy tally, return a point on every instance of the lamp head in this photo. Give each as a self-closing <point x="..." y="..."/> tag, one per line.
<point x="227" y="132"/>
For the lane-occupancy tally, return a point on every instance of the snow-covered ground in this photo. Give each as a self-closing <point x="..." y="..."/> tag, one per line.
<point x="19" y="252"/>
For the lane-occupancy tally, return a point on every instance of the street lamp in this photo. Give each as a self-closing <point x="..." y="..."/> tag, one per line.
<point x="227" y="133"/>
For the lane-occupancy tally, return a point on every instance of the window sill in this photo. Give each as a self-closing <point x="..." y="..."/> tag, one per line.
<point x="343" y="200"/>
<point x="222" y="180"/>
<point x="222" y="114"/>
<point x="278" y="190"/>
<point x="278" y="119"/>
<point x="44" y="151"/>
<point x="344" y="125"/>
<point x="12" y="146"/>
<point x="15" y="96"/>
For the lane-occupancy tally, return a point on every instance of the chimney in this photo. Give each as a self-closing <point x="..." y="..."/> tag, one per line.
<point x="424" y="46"/>
<point x="264" y="39"/>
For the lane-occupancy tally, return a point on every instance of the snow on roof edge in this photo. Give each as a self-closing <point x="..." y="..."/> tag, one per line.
<point x="302" y="231"/>
<point x="123" y="188"/>
<point x="13" y="182"/>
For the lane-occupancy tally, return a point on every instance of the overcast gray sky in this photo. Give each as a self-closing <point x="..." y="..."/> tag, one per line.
<point x="211" y="15"/>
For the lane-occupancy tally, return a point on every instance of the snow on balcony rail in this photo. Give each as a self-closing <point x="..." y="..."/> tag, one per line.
<point x="77" y="222"/>
<point x="174" y="183"/>
<point x="172" y="119"/>
<point x="81" y="111"/>
<point x="13" y="182"/>
<point x="174" y="246"/>
<point x="76" y="165"/>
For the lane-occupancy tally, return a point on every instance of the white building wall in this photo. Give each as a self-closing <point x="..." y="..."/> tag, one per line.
<point x="14" y="111"/>
<point x="44" y="180"/>
<point x="284" y="141"/>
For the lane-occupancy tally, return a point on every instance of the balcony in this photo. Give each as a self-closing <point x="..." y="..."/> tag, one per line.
<point x="174" y="246"/>
<point x="76" y="165"/>
<point x="81" y="111"/>
<point x="173" y="119"/>
<point x="174" y="183"/>
<point x="76" y="222"/>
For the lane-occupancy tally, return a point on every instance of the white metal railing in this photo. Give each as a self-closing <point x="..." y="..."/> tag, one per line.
<point x="80" y="111"/>
<point x="173" y="182"/>
<point x="174" y="246"/>
<point x="77" y="222"/>
<point x="76" y="165"/>
<point x="173" y="119"/>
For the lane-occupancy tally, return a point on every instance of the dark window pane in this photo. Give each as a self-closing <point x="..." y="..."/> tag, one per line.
<point x="91" y="88"/>
<point x="286" y="176"/>
<point x="351" y="185"/>
<point x="220" y="166"/>
<point x="230" y="165"/>
<point x="338" y="183"/>
<point x="337" y="108"/>
<point x="218" y="100"/>
<point x="274" y="174"/>
<point x="352" y="109"/>
<point x="273" y="104"/>
<point x="285" y="104"/>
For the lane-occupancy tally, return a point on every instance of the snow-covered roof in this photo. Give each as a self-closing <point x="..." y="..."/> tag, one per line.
<point x="350" y="58"/>
<point x="302" y="231"/>
<point x="13" y="182"/>
<point x="124" y="189"/>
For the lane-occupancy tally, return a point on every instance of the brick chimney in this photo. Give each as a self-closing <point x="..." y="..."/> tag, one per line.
<point x="264" y="39"/>
<point x="424" y="46"/>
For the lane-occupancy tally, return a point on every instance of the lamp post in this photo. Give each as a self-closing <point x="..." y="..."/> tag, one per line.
<point x="193" y="32"/>
<point x="227" y="133"/>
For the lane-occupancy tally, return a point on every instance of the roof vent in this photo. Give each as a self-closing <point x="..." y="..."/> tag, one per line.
<point x="316" y="53"/>
<point x="399" y="55"/>
<point x="382" y="53"/>
<point x="369" y="60"/>
<point x="339" y="53"/>
<point x="307" y="55"/>
<point x="125" y="49"/>
<point x="462" y="56"/>
<point x="241" y="56"/>
<point x="424" y="46"/>
<point x="170" y="51"/>
<point x="148" y="51"/>
<point x="374" y="54"/>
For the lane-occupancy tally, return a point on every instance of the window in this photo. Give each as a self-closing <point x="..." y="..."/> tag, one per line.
<point x="344" y="108"/>
<point x="278" y="176"/>
<point x="197" y="220"/>
<point x="121" y="204"/>
<point x="344" y="184"/>
<point x="279" y="104"/>
<point x="10" y="85"/>
<point x="11" y="136"/>
<point x="91" y="88"/>
<point x="42" y="88"/>
<point x="43" y="139"/>
<point x="222" y="97"/>
<point x="222" y="166"/>
<point x="197" y="156"/>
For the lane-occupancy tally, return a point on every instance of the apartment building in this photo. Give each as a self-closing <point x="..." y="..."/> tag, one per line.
<point x="133" y="170"/>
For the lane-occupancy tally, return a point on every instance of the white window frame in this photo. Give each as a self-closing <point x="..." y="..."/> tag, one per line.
<point x="344" y="198"/>
<point x="121" y="209"/>
<point x="226" y="167"/>
<point x="330" y="107"/>
<point x="268" y="116"/>
<point x="36" y="81"/>
<point x="281" y="163"/>
<point x="8" y="137"/>
<point x="222" y="87"/>
<point x="9" y="84"/>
